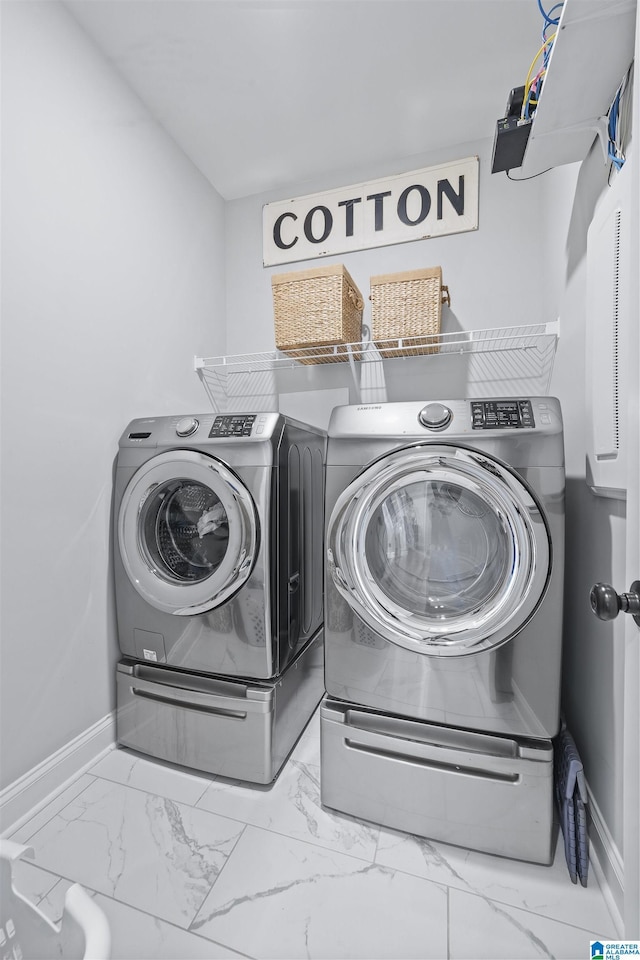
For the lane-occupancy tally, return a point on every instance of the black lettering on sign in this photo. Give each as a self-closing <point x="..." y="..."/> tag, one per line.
<point x="378" y="199"/>
<point x="348" y="204"/>
<point x="455" y="199"/>
<point x="328" y="223"/>
<point x="277" y="235"/>
<point x="425" y="205"/>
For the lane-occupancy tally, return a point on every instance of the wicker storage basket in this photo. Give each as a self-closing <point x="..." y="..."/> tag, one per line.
<point x="316" y="308"/>
<point x="408" y="305"/>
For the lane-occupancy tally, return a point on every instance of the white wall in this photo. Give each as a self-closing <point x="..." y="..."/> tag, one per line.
<point x="484" y="269"/>
<point x="112" y="281"/>
<point x="497" y="276"/>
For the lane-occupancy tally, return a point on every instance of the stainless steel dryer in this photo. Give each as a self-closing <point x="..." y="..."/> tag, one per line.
<point x="443" y="616"/>
<point x="218" y="580"/>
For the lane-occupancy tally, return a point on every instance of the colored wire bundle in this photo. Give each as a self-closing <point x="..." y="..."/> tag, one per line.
<point x="533" y="87"/>
<point x="619" y="121"/>
<point x="548" y="18"/>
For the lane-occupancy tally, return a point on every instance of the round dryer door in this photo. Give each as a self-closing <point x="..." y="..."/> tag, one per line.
<point x="188" y="532"/>
<point x="440" y="549"/>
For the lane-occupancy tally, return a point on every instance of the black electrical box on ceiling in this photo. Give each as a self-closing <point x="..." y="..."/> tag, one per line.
<point x="511" y="136"/>
<point x="510" y="143"/>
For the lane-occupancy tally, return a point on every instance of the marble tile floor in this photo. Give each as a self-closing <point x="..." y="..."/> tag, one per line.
<point x="190" y="866"/>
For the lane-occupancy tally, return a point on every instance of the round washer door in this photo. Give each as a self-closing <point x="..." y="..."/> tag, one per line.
<point x="440" y="549"/>
<point x="188" y="532"/>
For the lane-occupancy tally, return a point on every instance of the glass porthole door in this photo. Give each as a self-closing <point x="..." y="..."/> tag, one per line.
<point x="188" y="532"/>
<point x="440" y="549"/>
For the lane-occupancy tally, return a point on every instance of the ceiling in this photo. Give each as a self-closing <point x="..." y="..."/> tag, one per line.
<point x="261" y="94"/>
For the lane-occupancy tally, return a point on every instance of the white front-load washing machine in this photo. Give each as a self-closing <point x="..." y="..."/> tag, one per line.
<point x="443" y="618"/>
<point x="218" y="527"/>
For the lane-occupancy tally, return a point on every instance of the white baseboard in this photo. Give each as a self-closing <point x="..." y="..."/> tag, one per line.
<point x="607" y="863"/>
<point x="29" y="793"/>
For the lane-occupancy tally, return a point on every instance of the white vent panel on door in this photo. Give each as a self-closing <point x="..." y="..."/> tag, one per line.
<point x="605" y="301"/>
<point x="606" y="317"/>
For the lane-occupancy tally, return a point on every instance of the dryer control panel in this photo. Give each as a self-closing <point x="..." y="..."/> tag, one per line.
<point x="234" y="425"/>
<point x="501" y="414"/>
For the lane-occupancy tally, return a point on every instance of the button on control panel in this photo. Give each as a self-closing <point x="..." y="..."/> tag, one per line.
<point x="233" y="425"/>
<point x="501" y="414"/>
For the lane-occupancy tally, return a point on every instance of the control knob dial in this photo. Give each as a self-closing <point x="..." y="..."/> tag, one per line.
<point x="435" y="416"/>
<point x="187" y="426"/>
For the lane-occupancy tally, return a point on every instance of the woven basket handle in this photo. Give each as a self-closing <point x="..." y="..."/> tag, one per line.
<point x="356" y="300"/>
<point x="446" y="299"/>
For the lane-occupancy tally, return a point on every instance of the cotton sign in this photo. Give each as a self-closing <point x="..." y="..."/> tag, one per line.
<point x="412" y="206"/>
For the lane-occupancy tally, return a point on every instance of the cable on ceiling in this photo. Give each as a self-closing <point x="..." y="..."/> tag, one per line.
<point x="619" y="121"/>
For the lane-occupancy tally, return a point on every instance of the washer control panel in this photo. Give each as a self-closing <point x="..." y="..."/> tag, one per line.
<point x="501" y="414"/>
<point x="233" y="425"/>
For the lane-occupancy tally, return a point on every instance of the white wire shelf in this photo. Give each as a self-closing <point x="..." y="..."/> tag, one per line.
<point x="475" y="363"/>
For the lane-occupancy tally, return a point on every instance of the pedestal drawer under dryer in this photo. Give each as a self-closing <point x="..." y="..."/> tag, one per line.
<point x="484" y="792"/>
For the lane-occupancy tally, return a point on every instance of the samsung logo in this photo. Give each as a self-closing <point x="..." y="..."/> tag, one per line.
<point x="379" y="407"/>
